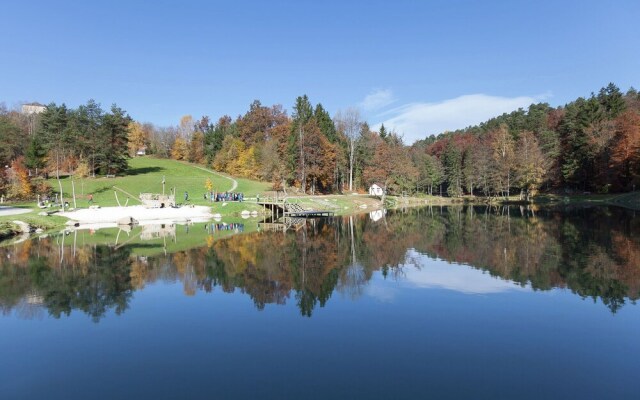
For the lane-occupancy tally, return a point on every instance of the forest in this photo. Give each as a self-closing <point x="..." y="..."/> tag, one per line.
<point x="590" y="145"/>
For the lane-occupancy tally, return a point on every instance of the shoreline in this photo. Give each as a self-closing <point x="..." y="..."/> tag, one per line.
<point x="343" y="204"/>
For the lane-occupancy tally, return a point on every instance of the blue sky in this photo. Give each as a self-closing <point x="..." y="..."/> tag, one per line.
<point x="419" y="66"/>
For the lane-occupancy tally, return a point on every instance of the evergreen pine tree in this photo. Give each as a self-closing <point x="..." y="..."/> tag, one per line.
<point x="35" y="154"/>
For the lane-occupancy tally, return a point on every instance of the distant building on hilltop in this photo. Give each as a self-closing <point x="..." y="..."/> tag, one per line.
<point x="33" y="108"/>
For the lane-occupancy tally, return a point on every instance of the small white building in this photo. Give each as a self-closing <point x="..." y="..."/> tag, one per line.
<point x="376" y="190"/>
<point x="142" y="151"/>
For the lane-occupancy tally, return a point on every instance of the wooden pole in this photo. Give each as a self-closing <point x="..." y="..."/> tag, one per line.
<point x="73" y="193"/>
<point x="61" y="198"/>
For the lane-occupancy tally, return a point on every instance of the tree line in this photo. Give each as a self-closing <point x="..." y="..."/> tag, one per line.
<point x="61" y="141"/>
<point x="310" y="150"/>
<point x="589" y="145"/>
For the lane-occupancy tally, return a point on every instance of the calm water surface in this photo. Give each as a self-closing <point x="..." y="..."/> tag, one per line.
<point x="479" y="303"/>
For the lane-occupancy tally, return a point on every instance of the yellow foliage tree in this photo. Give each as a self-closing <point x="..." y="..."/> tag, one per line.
<point x="247" y="163"/>
<point x="180" y="149"/>
<point x="137" y="138"/>
<point x="227" y="158"/>
<point x="82" y="169"/>
<point x="196" y="148"/>
<point x="208" y="184"/>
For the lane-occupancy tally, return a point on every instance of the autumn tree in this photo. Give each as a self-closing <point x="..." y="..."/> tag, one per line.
<point x="186" y="127"/>
<point x="348" y="123"/>
<point x="19" y="184"/>
<point x="626" y="149"/>
<point x="504" y="158"/>
<point x="531" y="165"/>
<point x="392" y="165"/>
<point x="137" y="138"/>
<point x="197" y="148"/>
<point x="320" y="157"/>
<point x="180" y="149"/>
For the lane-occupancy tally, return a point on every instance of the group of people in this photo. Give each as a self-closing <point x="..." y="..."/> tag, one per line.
<point x="226" y="196"/>
<point x="212" y="228"/>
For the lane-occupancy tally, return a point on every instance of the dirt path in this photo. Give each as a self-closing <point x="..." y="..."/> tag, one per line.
<point x="234" y="185"/>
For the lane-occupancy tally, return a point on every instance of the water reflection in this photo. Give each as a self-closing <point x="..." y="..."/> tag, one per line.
<point x="594" y="252"/>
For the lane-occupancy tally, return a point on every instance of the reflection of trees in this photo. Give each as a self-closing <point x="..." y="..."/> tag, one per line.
<point x="593" y="252"/>
<point x="353" y="277"/>
<point x="102" y="282"/>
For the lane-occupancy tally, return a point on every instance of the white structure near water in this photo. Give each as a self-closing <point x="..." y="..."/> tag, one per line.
<point x="375" y="190"/>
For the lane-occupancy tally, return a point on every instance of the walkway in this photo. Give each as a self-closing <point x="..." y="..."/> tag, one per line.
<point x="234" y="182"/>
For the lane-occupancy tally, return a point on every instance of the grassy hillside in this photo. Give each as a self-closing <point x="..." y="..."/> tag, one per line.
<point x="145" y="175"/>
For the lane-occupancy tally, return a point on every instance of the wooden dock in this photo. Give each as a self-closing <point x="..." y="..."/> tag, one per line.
<point x="282" y="207"/>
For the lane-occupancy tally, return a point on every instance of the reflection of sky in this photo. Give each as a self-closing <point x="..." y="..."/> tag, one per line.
<point x="423" y="272"/>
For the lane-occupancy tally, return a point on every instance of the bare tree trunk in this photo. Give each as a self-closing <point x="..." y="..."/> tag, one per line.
<point x="351" y="154"/>
<point x="303" y="179"/>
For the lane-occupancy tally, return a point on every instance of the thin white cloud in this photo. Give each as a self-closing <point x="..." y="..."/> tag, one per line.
<point x="377" y="100"/>
<point x="416" y="121"/>
<point x="459" y="278"/>
<point x="423" y="272"/>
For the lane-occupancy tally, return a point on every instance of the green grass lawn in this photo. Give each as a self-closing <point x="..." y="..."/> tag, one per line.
<point x="145" y="175"/>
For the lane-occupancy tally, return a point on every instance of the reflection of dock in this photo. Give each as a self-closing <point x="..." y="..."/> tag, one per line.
<point x="282" y="207"/>
<point x="283" y="224"/>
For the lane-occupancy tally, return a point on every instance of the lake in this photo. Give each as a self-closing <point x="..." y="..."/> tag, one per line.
<point x="443" y="303"/>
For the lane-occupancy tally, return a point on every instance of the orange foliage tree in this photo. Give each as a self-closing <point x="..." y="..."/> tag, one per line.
<point x="19" y="184"/>
<point x="626" y="149"/>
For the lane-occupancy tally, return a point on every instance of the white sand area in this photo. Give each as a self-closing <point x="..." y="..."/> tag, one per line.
<point x="140" y="213"/>
<point x="13" y="211"/>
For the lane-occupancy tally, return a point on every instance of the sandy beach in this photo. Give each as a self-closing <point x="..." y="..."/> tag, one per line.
<point x="13" y="211"/>
<point x="140" y="213"/>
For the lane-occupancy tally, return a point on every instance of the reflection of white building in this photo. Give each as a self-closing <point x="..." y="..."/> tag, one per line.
<point x="158" y="231"/>
<point x="33" y="108"/>
<point x="375" y="190"/>
<point x="377" y="215"/>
